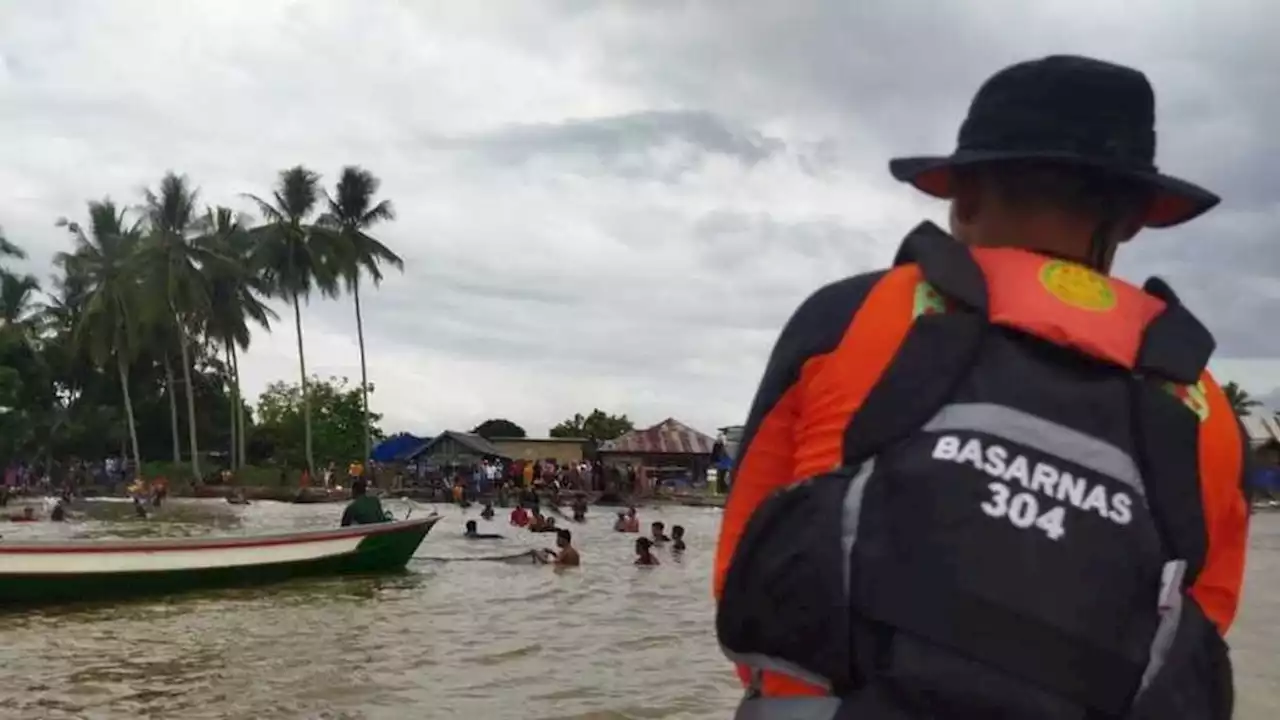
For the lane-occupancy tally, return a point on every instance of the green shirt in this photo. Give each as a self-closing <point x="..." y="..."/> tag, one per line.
<point x="363" y="510"/>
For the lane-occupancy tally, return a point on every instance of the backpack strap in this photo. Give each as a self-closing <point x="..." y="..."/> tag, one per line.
<point x="1169" y="408"/>
<point x="936" y="353"/>
<point x="1175" y="346"/>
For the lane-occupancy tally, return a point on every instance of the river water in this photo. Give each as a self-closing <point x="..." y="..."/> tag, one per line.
<point x="457" y="639"/>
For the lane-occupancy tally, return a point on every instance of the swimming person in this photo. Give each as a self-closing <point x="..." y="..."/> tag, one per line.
<point x="644" y="552"/>
<point x="520" y="516"/>
<point x="677" y="538"/>
<point x="627" y="522"/>
<point x="487" y="513"/>
<point x="473" y="533"/>
<point x="364" y="509"/>
<point x="580" y="508"/>
<point x="657" y="533"/>
<point x="567" y="555"/>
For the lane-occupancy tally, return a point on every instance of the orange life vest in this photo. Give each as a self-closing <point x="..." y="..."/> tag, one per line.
<point x="1058" y="302"/>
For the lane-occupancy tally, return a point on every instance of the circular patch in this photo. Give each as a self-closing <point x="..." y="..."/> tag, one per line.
<point x="1078" y="286"/>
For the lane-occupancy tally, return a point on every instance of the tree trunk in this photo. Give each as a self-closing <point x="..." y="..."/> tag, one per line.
<point x="191" y="400"/>
<point x="231" y="395"/>
<point x="173" y="407"/>
<point x="364" y="373"/>
<point x="241" y="418"/>
<point x="306" y="397"/>
<point x="128" y="411"/>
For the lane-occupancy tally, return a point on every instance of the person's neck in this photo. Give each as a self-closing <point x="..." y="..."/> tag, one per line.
<point x="1063" y="238"/>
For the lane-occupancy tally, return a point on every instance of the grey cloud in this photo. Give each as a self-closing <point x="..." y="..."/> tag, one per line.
<point x="695" y="171"/>
<point x="614" y="142"/>
<point x="890" y="79"/>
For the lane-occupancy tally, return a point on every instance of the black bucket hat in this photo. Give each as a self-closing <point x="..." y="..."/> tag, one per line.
<point x="1067" y="109"/>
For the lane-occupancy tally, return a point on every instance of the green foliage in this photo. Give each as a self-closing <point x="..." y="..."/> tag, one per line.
<point x="1241" y="402"/>
<point x="498" y="428"/>
<point x="169" y="287"/>
<point x="596" y="427"/>
<point x="337" y="422"/>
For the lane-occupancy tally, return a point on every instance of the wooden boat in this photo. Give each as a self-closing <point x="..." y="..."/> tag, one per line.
<point x="39" y="573"/>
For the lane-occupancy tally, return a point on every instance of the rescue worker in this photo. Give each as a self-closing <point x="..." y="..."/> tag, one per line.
<point x="993" y="481"/>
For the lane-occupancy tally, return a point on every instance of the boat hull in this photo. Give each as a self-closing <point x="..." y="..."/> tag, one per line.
<point x="47" y="573"/>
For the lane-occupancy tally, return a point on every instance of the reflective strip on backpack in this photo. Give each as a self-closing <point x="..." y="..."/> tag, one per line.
<point x="852" y="515"/>
<point x="1170" y="608"/>
<point x="767" y="663"/>
<point x="798" y="708"/>
<point x="1043" y="435"/>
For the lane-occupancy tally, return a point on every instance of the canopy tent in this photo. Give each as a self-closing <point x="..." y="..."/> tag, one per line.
<point x="396" y="447"/>
<point x="669" y="437"/>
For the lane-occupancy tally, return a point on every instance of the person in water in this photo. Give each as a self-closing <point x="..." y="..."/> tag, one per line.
<point x="627" y="522"/>
<point x="520" y="516"/>
<point x="487" y="513"/>
<point x="364" y="509"/>
<point x="658" y="533"/>
<point x="567" y="556"/>
<point x="59" y="512"/>
<point x="473" y="533"/>
<point x="580" y="508"/>
<point x="541" y="523"/>
<point x="644" y="552"/>
<point x="139" y="508"/>
<point x="677" y="538"/>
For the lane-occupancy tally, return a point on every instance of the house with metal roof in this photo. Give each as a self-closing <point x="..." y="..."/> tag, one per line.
<point x="456" y="448"/>
<point x="1261" y="429"/>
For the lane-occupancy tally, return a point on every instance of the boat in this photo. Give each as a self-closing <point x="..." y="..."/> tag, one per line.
<point x="45" y="573"/>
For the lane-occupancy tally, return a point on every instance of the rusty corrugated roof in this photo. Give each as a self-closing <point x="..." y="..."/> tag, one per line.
<point x="669" y="437"/>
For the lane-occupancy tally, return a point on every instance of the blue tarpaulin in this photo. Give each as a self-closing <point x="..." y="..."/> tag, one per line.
<point x="394" y="447"/>
<point x="1265" y="478"/>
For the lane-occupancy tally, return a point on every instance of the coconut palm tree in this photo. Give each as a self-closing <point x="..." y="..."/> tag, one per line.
<point x="9" y="250"/>
<point x="293" y="259"/>
<point x="103" y="263"/>
<point x="235" y="297"/>
<point x="171" y="263"/>
<point x="1241" y="402"/>
<point x="351" y="212"/>
<point x="17" y="299"/>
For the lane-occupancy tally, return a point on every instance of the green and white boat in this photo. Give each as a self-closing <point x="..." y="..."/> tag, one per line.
<point x="42" y="573"/>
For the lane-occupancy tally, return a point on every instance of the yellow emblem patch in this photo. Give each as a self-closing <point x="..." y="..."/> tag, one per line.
<point x="1078" y="286"/>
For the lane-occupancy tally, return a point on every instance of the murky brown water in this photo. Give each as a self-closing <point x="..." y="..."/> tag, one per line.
<point x="450" y="639"/>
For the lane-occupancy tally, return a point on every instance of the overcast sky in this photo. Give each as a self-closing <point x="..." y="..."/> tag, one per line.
<point x="614" y="204"/>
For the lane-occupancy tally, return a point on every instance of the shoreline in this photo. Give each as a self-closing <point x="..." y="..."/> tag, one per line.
<point x="321" y="495"/>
